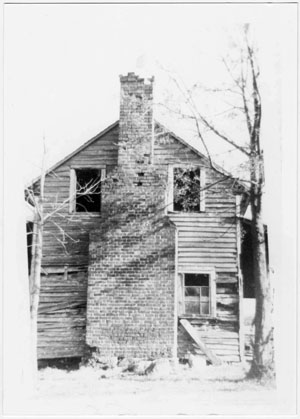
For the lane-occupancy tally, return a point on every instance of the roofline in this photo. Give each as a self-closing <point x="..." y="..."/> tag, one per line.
<point x="219" y="168"/>
<point x="181" y="140"/>
<point x="69" y="156"/>
<point x="114" y="125"/>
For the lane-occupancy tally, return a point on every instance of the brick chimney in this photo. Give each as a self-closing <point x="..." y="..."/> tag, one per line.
<point x="136" y="121"/>
<point x="131" y="284"/>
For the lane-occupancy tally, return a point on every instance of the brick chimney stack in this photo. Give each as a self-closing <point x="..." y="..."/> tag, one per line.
<point x="133" y="252"/>
<point x="136" y="121"/>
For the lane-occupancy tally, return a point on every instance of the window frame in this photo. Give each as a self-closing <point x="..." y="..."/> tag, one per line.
<point x="73" y="190"/>
<point x="170" y="189"/>
<point x="198" y="298"/>
<point x="212" y="292"/>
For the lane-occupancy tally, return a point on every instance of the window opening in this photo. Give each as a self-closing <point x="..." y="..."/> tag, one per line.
<point x="88" y="190"/>
<point x="197" y="294"/>
<point x="186" y="196"/>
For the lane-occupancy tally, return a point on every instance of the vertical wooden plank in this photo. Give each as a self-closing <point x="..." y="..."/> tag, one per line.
<point x="180" y="294"/>
<point x="72" y="196"/>
<point x="202" y="190"/>
<point x="102" y="178"/>
<point x="176" y="293"/>
<point x="213" y="291"/>
<point x="102" y="174"/>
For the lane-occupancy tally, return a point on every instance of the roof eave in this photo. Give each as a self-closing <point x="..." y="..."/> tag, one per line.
<point x="69" y="156"/>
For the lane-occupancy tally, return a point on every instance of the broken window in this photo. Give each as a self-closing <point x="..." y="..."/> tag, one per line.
<point x="86" y="190"/>
<point x="197" y="294"/>
<point x="186" y="189"/>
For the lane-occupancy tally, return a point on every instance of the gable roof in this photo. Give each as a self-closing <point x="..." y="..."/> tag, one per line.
<point x="82" y="147"/>
<point x="114" y="125"/>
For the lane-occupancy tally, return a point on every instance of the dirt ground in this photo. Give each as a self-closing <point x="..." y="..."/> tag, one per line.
<point x="185" y="391"/>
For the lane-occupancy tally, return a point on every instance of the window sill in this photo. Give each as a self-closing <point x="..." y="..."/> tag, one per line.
<point x="186" y="212"/>
<point x="196" y="317"/>
<point x="86" y="214"/>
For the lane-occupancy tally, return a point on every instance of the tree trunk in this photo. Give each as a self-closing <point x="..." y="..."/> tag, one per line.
<point x="263" y="364"/>
<point x="35" y="280"/>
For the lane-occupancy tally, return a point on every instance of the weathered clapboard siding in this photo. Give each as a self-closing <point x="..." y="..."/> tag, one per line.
<point x="62" y="309"/>
<point x="101" y="153"/>
<point x="208" y="239"/>
<point x="227" y="299"/>
<point x="62" y="312"/>
<point x="220" y="337"/>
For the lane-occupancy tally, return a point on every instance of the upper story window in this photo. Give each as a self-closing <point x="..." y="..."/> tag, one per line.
<point x="186" y="189"/>
<point x="85" y="190"/>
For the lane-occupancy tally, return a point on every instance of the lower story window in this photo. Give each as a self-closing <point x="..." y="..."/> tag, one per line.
<point x="197" y="298"/>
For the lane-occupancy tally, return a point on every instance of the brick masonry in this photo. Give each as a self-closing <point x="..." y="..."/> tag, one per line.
<point x="131" y="284"/>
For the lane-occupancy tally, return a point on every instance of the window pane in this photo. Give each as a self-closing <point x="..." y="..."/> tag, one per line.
<point x="199" y="280"/>
<point x="204" y="291"/>
<point x="192" y="291"/>
<point x="192" y="306"/>
<point x="204" y="308"/>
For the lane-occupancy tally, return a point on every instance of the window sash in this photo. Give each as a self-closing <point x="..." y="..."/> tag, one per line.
<point x="200" y="298"/>
<point x="181" y="279"/>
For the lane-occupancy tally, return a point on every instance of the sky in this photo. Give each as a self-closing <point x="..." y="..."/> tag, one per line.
<point x="61" y="82"/>
<point x="62" y="64"/>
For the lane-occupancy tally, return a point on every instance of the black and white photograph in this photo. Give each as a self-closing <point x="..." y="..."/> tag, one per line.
<point x="150" y="209"/>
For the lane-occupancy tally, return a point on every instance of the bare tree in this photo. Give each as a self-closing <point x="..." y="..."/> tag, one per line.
<point x="244" y="88"/>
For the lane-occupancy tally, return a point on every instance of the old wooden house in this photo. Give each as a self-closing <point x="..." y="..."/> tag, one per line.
<point x="147" y="264"/>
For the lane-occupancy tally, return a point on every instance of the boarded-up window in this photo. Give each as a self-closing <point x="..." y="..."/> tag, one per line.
<point x="197" y="294"/>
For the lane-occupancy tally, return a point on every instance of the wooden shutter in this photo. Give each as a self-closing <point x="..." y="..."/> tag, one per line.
<point x="202" y="190"/>
<point x="72" y="196"/>
<point x="102" y="178"/>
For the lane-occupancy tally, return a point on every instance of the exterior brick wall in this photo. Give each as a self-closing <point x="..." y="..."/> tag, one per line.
<point x="131" y="284"/>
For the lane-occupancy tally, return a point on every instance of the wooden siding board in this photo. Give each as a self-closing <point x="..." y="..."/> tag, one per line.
<point x="221" y="338"/>
<point x="57" y="188"/>
<point x="62" y="313"/>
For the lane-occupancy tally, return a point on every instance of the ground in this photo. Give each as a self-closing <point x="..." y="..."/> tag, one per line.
<point x="186" y="391"/>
